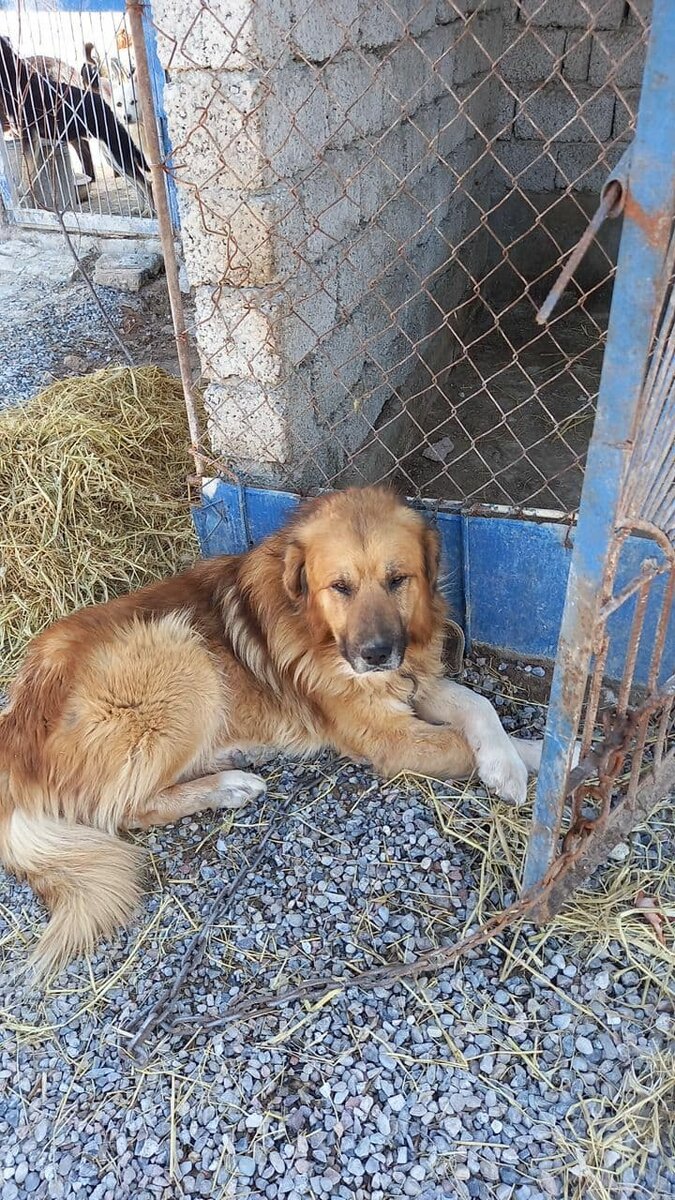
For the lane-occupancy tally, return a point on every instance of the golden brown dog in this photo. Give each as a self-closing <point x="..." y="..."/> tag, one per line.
<point x="124" y="715"/>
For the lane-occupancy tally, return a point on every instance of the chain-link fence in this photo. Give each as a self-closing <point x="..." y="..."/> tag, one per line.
<point x="375" y="200"/>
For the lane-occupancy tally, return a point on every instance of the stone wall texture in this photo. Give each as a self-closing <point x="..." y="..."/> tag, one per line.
<point x="339" y="164"/>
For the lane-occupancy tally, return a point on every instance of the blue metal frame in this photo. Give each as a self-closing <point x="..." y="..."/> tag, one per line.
<point x="504" y="578"/>
<point x="650" y="203"/>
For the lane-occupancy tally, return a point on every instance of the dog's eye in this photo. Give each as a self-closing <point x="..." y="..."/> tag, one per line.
<point x="342" y="588"/>
<point x="396" y="582"/>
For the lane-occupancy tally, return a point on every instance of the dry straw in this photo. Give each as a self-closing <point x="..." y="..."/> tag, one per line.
<point x="93" y="497"/>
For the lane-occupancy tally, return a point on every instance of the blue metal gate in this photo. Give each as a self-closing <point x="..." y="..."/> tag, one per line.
<point x="618" y="612"/>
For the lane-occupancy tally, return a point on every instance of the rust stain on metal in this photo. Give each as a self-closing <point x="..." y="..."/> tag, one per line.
<point x="654" y="225"/>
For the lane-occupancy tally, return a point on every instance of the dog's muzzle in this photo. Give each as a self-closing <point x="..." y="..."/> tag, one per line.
<point x="380" y="654"/>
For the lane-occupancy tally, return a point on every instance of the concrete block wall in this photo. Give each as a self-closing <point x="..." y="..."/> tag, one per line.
<point x="335" y="162"/>
<point x="318" y="151"/>
<point x="570" y="74"/>
<point x="574" y="71"/>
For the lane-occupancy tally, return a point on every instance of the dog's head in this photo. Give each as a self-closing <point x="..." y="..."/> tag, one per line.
<point x="364" y="569"/>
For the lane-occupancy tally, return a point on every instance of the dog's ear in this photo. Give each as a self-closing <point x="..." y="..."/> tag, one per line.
<point x="432" y="555"/>
<point x="295" y="580"/>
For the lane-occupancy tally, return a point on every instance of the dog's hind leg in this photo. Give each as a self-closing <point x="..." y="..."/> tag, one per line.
<point x="226" y="789"/>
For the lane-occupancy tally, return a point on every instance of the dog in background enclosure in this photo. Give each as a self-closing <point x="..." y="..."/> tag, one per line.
<point x="35" y="105"/>
<point x="124" y="95"/>
<point x="328" y="634"/>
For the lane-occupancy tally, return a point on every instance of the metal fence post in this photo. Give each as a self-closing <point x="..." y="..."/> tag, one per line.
<point x="648" y="213"/>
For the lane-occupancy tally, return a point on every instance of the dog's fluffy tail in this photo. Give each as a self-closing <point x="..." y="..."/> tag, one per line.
<point x="88" y="879"/>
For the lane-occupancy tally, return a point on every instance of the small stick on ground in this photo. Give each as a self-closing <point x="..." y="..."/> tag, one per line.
<point x="196" y="947"/>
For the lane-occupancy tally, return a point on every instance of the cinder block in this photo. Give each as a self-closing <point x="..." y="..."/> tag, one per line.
<point x="524" y="165"/>
<point x="584" y="168"/>
<point x="532" y="54"/>
<point x="581" y="14"/>
<point x="448" y="11"/>
<point x="369" y="256"/>
<point x="355" y="88"/>
<point x="295" y="119"/>
<point x="324" y="28"/>
<point x="223" y="35"/>
<point x="504" y="110"/>
<point x="338" y="364"/>
<point x="421" y="138"/>
<point x="248" y="421"/>
<point x="382" y="22"/>
<point x="383" y="164"/>
<point x="619" y="57"/>
<point x="552" y="113"/>
<point x="625" y="114"/>
<point x="452" y="10"/>
<point x="128" y="269"/>
<point x="237" y="331"/>
<point x="215" y="123"/>
<point x="421" y="16"/>
<point x="577" y="55"/>
<point x="330" y="204"/>
<point x="639" y="12"/>
<point x="310" y="312"/>
<point x="478" y="47"/>
<point x="231" y="238"/>
<point x="415" y="73"/>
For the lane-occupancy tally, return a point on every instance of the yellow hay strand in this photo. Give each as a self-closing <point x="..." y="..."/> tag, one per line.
<point x="92" y="497"/>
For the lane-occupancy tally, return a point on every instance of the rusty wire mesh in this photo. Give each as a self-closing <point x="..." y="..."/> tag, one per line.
<point x="375" y="197"/>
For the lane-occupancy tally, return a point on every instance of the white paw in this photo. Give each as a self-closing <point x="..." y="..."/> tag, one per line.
<point x="505" y="773"/>
<point x="237" y="788"/>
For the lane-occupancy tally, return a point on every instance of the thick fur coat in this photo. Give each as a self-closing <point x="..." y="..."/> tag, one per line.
<point x="328" y="634"/>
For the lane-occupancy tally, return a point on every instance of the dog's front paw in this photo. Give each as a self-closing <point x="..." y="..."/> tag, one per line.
<point x="237" y="788"/>
<point x="503" y="772"/>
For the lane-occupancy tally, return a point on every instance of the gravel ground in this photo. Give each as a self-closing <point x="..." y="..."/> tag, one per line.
<point x="56" y="324"/>
<point x="51" y="327"/>
<point x="537" y="1068"/>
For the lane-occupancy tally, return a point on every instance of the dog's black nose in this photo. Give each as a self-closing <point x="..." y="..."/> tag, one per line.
<point x="376" y="653"/>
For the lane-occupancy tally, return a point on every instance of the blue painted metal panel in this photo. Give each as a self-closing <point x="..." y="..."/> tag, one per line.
<point x="451" y="528"/>
<point x="646" y="228"/>
<point x="513" y="596"/>
<point x="517" y="579"/>
<point x="157" y="76"/>
<point x="97" y="6"/>
<point x="635" y="551"/>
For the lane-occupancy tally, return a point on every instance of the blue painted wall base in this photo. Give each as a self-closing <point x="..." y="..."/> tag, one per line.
<point x="504" y="578"/>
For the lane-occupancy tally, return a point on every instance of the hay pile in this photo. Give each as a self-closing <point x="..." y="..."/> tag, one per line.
<point x="92" y="497"/>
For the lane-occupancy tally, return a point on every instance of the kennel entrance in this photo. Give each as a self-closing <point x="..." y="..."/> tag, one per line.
<point x="377" y="211"/>
<point x="73" y="144"/>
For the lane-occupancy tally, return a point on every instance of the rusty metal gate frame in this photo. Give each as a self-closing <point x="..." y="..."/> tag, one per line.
<point x="636" y="403"/>
<point x="629" y="488"/>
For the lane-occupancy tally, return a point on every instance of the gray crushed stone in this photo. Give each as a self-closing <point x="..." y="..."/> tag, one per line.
<point x="483" y="1082"/>
<point x="46" y="323"/>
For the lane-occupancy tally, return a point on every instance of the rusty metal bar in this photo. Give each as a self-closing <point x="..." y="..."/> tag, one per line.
<point x="633" y="646"/>
<point x="649" y="206"/>
<point x="135" y="10"/>
<point x="612" y="199"/>
<point x="605" y="836"/>
<point x="607" y="203"/>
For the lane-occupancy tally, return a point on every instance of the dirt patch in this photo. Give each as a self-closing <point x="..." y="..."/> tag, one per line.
<point x="507" y="423"/>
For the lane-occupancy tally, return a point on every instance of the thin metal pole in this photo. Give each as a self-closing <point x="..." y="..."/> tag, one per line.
<point x="135" y="10"/>
<point x="649" y="206"/>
